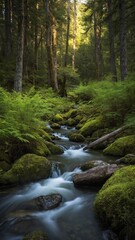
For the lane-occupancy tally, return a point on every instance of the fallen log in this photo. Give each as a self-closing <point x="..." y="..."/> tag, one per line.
<point x="104" y="138"/>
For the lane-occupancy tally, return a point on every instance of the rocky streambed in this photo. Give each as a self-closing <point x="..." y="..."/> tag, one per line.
<point x="54" y="205"/>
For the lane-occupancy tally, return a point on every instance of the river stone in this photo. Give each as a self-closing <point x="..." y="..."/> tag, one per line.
<point x="95" y="176"/>
<point x="24" y="225"/>
<point x="43" y="202"/>
<point x="91" y="164"/>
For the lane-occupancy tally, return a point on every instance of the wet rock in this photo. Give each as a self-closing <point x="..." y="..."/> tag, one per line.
<point x="109" y="235"/>
<point x="128" y="159"/>
<point x="91" y="164"/>
<point x="44" y="202"/>
<point x="55" y="126"/>
<point x="24" y="225"/>
<point x="95" y="176"/>
<point x="28" y="168"/>
<point x="75" y="137"/>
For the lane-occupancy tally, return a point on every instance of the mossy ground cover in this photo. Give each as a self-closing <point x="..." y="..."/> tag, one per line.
<point x="115" y="202"/>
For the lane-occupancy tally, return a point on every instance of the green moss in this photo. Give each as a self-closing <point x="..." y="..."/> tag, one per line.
<point x="121" y="146"/>
<point x="91" y="126"/>
<point x="29" y="167"/>
<point x="71" y="122"/>
<point x="54" y="149"/>
<point x="5" y="166"/>
<point x="37" y="235"/>
<point x="76" y="137"/>
<point x="55" y="126"/>
<point x="128" y="159"/>
<point x="115" y="202"/>
<point x="72" y="113"/>
<point x="57" y="118"/>
<point x="46" y="136"/>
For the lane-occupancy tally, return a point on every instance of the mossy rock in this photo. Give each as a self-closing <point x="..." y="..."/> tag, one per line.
<point x="54" y="149"/>
<point x="57" y="118"/>
<point x="72" y="113"/>
<point x="46" y="136"/>
<point x="91" y="126"/>
<point x="37" y="235"/>
<point x="128" y="159"/>
<point x="121" y="146"/>
<point x="71" y="122"/>
<point x="115" y="202"/>
<point x="28" y="168"/>
<point x="5" y="166"/>
<point x="55" y="126"/>
<point x="76" y="137"/>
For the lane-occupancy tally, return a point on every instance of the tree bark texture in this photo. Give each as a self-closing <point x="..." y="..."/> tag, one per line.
<point x="123" y="43"/>
<point x="8" y="31"/>
<point x="111" y="42"/>
<point x="98" y="46"/>
<point x="104" y="138"/>
<point x="51" y="47"/>
<point x="74" y="33"/>
<point x="63" y="92"/>
<point x="20" y="48"/>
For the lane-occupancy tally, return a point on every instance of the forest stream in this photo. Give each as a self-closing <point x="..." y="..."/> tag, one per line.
<point x="74" y="219"/>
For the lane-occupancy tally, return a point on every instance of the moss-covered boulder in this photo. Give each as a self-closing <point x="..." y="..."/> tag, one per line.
<point x="91" y="126"/>
<point x="37" y="235"/>
<point x="54" y="149"/>
<point x="115" y="202"/>
<point x="121" y="146"/>
<point x="72" y="113"/>
<point x="57" y="118"/>
<point x="75" y="137"/>
<point x="28" y="168"/>
<point x="71" y="122"/>
<point x="128" y="159"/>
<point x="55" y="126"/>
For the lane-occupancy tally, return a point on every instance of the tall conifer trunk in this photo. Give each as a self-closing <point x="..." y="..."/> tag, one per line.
<point x="8" y="35"/>
<point x="123" y="43"/>
<point x="20" y="48"/>
<point x="111" y="42"/>
<point x="74" y="33"/>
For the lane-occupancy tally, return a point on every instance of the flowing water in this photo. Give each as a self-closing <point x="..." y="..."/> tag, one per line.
<point x="74" y="219"/>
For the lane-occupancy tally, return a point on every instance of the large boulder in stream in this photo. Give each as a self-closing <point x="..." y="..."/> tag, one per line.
<point x="95" y="176"/>
<point x="115" y="203"/>
<point x="43" y="203"/>
<point x="28" y="168"/>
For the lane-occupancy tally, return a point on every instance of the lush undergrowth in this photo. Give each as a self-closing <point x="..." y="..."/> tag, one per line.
<point x="114" y="101"/>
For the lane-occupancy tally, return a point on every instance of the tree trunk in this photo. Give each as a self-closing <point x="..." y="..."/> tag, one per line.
<point x="63" y="91"/>
<point x="25" y="57"/>
<point x="20" y="48"/>
<point x="51" y="47"/>
<point x="74" y="33"/>
<point x="104" y="138"/>
<point x="8" y="38"/>
<point x="123" y="44"/>
<point x="54" y="49"/>
<point x="111" y="42"/>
